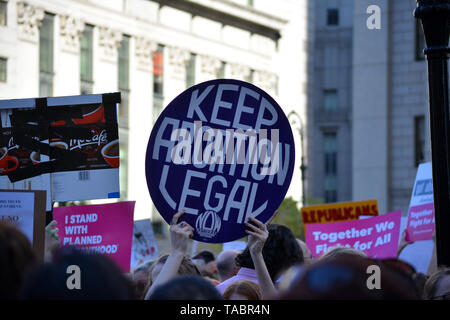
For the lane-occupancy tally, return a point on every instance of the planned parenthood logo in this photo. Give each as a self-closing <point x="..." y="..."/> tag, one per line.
<point x="222" y="150"/>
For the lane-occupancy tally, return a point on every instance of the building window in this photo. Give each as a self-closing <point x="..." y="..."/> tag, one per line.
<point x="190" y="71"/>
<point x="3" y="69"/>
<point x="158" y="71"/>
<point x="330" y="169"/>
<point x="221" y="71"/>
<point x="420" y="41"/>
<point x="158" y="84"/>
<point x="332" y="17"/>
<point x="46" y="56"/>
<point x="419" y="140"/>
<point x="124" y="80"/>
<point x="250" y="77"/>
<point x="86" y="59"/>
<point x="123" y="172"/>
<point x="157" y="107"/>
<point x="330" y="99"/>
<point x="3" y="12"/>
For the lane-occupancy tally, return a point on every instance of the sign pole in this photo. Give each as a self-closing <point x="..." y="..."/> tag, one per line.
<point x="434" y="15"/>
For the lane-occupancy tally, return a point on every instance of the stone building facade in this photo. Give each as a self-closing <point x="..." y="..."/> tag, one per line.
<point x="150" y="51"/>
<point x="383" y="126"/>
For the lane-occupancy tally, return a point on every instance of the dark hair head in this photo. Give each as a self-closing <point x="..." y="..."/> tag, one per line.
<point x="100" y="278"/>
<point x="348" y="278"/>
<point x="205" y="255"/>
<point x="433" y="282"/>
<point x="280" y="251"/>
<point x="187" y="287"/>
<point x="16" y="260"/>
<point x="244" y="288"/>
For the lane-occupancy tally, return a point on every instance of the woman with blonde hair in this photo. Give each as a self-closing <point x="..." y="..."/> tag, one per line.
<point x="242" y="290"/>
<point x="338" y="252"/>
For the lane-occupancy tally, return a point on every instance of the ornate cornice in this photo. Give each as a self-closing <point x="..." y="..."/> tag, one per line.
<point x="70" y="30"/>
<point x="109" y="42"/>
<point x="209" y="66"/>
<point x="144" y="49"/>
<point x="268" y="81"/>
<point x="178" y="57"/>
<point x="29" y="19"/>
<point x="239" y="71"/>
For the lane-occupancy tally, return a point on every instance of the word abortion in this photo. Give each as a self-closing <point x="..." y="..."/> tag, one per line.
<point x="229" y="147"/>
<point x="218" y="149"/>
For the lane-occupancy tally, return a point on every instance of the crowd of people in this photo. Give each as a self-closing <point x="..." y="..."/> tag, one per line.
<point x="274" y="266"/>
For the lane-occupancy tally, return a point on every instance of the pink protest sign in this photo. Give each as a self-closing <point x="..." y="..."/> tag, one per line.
<point x="105" y="229"/>
<point x="377" y="236"/>
<point x="420" y="222"/>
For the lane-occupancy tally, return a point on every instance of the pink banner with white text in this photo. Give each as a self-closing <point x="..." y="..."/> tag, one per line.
<point x="104" y="229"/>
<point x="377" y="237"/>
<point x="420" y="222"/>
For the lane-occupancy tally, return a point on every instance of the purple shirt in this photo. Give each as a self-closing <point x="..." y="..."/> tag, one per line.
<point x="243" y="274"/>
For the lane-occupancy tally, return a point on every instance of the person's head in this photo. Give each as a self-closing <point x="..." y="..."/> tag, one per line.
<point x="186" y="287"/>
<point x="348" y="278"/>
<point x="339" y="252"/>
<point x="140" y="278"/>
<point x="17" y="259"/>
<point x="226" y="264"/>
<point x="307" y="255"/>
<point x="280" y="251"/>
<point x="420" y="279"/>
<point x="96" y="276"/>
<point x="437" y="287"/>
<point x="242" y="290"/>
<point x="206" y="261"/>
<point x="187" y="267"/>
<point x="291" y="275"/>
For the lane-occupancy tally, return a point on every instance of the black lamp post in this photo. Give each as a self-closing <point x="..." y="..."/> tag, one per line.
<point x="296" y="122"/>
<point x="435" y="17"/>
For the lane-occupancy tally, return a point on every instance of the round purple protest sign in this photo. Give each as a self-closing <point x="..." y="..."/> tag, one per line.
<point x="223" y="151"/>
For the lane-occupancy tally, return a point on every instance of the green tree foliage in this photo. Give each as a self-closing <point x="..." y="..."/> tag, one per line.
<point x="289" y="215"/>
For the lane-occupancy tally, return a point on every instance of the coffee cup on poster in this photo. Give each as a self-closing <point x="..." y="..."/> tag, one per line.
<point x="110" y="153"/>
<point x="91" y="114"/>
<point x="5" y="161"/>
<point x="59" y="144"/>
<point x="35" y="157"/>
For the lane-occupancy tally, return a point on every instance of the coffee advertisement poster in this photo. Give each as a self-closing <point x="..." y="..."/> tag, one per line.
<point x="68" y="146"/>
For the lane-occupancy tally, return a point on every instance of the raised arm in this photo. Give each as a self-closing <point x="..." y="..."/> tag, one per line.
<point x="403" y="243"/>
<point x="180" y="233"/>
<point x="51" y="240"/>
<point x="257" y="237"/>
<point x="433" y="266"/>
